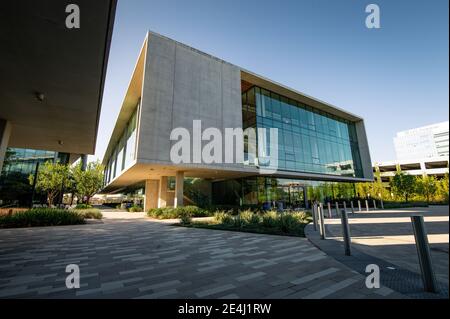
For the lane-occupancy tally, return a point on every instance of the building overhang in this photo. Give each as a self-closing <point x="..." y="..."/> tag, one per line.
<point x="140" y="172"/>
<point x="134" y="93"/>
<point x="52" y="77"/>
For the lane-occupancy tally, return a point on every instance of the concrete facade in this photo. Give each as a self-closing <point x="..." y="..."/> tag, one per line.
<point x="172" y="86"/>
<point x="181" y="85"/>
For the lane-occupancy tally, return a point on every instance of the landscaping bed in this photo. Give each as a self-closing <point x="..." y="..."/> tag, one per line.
<point x="38" y="217"/>
<point x="178" y="212"/>
<point x="271" y="222"/>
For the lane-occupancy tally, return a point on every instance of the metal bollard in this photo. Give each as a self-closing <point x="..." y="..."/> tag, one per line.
<point x="359" y="205"/>
<point x="345" y="206"/>
<point x="374" y="204"/>
<point x="346" y="233"/>
<point x="329" y="210"/>
<point x="337" y="209"/>
<point x="382" y="204"/>
<point x="321" y="206"/>
<point x="367" y="205"/>
<point x="423" y="251"/>
<point x="314" y="216"/>
<point x="321" y="223"/>
<point x="352" y="208"/>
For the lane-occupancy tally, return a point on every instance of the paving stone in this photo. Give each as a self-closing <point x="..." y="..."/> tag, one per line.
<point x="117" y="261"/>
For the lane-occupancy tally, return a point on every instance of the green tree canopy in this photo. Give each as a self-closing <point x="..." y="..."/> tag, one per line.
<point x="52" y="178"/>
<point x="442" y="187"/>
<point x="404" y="185"/>
<point x="89" y="181"/>
<point x="427" y="186"/>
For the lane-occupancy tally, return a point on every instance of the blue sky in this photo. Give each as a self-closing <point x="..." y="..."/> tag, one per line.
<point x="395" y="77"/>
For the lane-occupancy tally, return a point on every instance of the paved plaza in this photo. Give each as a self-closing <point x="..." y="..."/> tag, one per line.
<point x="386" y="237"/>
<point x="140" y="258"/>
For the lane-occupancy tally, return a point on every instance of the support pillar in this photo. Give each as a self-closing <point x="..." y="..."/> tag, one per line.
<point x="5" y="133"/>
<point x="179" y="180"/>
<point x="151" y="194"/>
<point x="162" y="197"/>
<point x="83" y="162"/>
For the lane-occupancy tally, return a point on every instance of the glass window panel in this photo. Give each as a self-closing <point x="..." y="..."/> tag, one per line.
<point x="266" y="107"/>
<point x="276" y="107"/>
<point x="295" y="115"/>
<point x="303" y="118"/>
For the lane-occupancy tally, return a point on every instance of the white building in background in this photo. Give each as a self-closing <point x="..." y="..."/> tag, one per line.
<point x="420" y="151"/>
<point x="423" y="142"/>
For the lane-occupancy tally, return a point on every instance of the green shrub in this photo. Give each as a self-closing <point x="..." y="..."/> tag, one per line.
<point x="255" y="219"/>
<point x="135" y="209"/>
<point x="42" y="217"/>
<point x="185" y="218"/>
<point x="83" y="206"/>
<point x="220" y="215"/>
<point x="196" y="211"/>
<point x="92" y="213"/>
<point x="288" y="222"/>
<point x="155" y="212"/>
<point x="270" y="219"/>
<point x="245" y="216"/>
<point x="176" y="212"/>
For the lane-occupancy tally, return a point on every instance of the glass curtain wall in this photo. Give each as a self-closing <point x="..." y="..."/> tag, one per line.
<point x="309" y="140"/>
<point x="124" y="152"/>
<point x="266" y="192"/>
<point x="21" y="163"/>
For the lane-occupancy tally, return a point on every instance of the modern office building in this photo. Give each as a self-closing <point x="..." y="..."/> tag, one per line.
<point x="174" y="85"/>
<point x="423" y="142"/>
<point x="51" y="78"/>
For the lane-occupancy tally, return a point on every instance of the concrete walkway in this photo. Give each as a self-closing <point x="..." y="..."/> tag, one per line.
<point x="139" y="258"/>
<point x="387" y="237"/>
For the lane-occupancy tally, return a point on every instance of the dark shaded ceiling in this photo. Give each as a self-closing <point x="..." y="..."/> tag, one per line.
<point x="40" y="54"/>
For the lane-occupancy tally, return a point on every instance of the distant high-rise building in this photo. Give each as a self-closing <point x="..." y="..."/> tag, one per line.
<point x="423" y="142"/>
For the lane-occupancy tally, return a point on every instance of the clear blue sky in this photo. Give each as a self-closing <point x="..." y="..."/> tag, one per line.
<point x="395" y="77"/>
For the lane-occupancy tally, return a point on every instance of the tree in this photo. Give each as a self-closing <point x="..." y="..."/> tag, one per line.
<point x="89" y="181"/>
<point x="427" y="186"/>
<point x="52" y="178"/>
<point x="363" y="189"/>
<point x="403" y="185"/>
<point x="442" y="188"/>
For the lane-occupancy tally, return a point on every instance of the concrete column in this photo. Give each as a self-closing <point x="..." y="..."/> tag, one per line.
<point x="179" y="179"/>
<point x="162" y="197"/>
<point x="5" y="133"/>
<point x="423" y="168"/>
<point x="305" y="197"/>
<point x="83" y="162"/>
<point x="151" y="194"/>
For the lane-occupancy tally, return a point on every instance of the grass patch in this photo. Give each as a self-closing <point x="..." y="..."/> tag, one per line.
<point x="42" y="217"/>
<point x="287" y="224"/>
